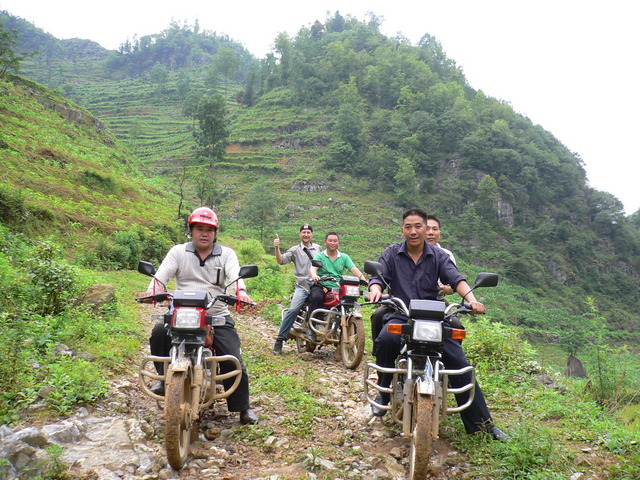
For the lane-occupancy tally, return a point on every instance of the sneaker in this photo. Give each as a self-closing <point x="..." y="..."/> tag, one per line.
<point x="158" y="388"/>
<point x="382" y="399"/>
<point x="277" y="347"/>
<point x="498" y="434"/>
<point x="248" y="417"/>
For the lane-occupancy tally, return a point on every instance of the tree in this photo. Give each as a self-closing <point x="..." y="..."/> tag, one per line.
<point x="261" y="210"/>
<point x="209" y="189"/>
<point x="159" y="76"/>
<point x="9" y="59"/>
<point x="212" y="132"/>
<point x="488" y="198"/>
<point x="406" y="183"/>
<point x="226" y="63"/>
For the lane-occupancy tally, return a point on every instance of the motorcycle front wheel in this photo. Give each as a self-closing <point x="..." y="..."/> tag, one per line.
<point x="352" y="343"/>
<point x="421" y="444"/>
<point x="178" y="423"/>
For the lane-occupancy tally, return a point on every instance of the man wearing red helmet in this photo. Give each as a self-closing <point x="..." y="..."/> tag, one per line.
<point x="204" y="265"/>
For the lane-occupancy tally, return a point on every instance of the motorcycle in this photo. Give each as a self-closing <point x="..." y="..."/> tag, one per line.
<point x="191" y="371"/>
<point x="420" y="388"/>
<point x="338" y="323"/>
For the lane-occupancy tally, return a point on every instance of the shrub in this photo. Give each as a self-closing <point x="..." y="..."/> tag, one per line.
<point x="249" y="251"/>
<point x="54" y="280"/>
<point x="494" y="346"/>
<point x="270" y="283"/>
<point x="74" y="381"/>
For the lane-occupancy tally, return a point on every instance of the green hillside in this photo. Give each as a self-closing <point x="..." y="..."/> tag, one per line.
<point x="345" y="128"/>
<point x="370" y="125"/>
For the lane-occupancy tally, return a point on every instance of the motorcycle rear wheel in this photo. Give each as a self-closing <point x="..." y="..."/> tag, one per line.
<point x="352" y="343"/>
<point x="178" y="424"/>
<point x="421" y="441"/>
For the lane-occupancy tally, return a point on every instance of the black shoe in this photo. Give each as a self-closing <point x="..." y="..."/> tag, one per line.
<point x="383" y="399"/>
<point x="248" y="417"/>
<point x="277" y="347"/>
<point x="158" y="387"/>
<point x="498" y="434"/>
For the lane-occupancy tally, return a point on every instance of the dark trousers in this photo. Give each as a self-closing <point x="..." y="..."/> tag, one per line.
<point x="225" y="342"/>
<point x="377" y="322"/>
<point x="316" y="297"/>
<point x="476" y="417"/>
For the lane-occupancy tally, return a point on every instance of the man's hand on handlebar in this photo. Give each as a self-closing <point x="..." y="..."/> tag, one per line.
<point x="375" y="293"/>
<point x="244" y="297"/>
<point x="477" y="307"/>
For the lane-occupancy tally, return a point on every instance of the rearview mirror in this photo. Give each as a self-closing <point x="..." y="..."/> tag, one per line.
<point x="248" y="271"/>
<point x="373" y="268"/>
<point x="146" y="268"/>
<point x="485" y="279"/>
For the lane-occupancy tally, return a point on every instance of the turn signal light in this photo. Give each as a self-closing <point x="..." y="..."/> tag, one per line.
<point x="395" y="328"/>
<point x="458" y="334"/>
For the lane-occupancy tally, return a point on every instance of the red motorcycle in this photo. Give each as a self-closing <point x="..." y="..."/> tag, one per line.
<point x="191" y="372"/>
<point x="338" y="323"/>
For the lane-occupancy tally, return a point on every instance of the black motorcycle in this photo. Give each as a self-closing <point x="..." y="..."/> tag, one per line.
<point x="420" y="388"/>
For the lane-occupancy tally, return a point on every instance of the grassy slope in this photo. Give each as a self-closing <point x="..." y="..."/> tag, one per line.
<point x="72" y="171"/>
<point x="41" y="144"/>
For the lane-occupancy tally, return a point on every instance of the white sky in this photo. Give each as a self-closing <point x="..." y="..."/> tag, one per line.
<point x="567" y="65"/>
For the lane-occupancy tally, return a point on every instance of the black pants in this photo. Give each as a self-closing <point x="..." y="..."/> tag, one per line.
<point x="225" y="342"/>
<point x="316" y="298"/>
<point x="377" y="322"/>
<point x="476" y="417"/>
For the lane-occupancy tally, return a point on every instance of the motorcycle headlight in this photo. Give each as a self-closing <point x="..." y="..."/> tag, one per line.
<point x="352" y="291"/>
<point x="427" y="331"/>
<point x="186" y="318"/>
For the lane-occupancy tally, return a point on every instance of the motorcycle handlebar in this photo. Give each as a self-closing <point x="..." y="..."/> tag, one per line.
<point x="158" y="297"/>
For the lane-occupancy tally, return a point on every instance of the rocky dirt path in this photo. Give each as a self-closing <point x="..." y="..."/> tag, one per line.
<point x="122" y="436"/>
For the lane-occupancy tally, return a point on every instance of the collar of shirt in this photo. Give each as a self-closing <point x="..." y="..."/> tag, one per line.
<point x="427" y="250"/>
<point x="338" y="254"/>
<point x="217" y="251"/>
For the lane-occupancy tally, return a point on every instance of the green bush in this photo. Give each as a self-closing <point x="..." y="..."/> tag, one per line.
<point x="496" y="347"/>
<point x="125" y="248"/>
<point x="73" y="381"/>
<point x="270" y="283"/>
<point x="250" y="251"/>
<point x="54" y="281"/>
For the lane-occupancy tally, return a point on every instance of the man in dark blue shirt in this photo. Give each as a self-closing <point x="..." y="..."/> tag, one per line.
<point x="412" y="269"/>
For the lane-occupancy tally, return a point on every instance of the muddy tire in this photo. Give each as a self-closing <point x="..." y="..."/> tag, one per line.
<point x="178" y="424"/>
<point x="421" y="440"/>
<point x="352" y="343"/>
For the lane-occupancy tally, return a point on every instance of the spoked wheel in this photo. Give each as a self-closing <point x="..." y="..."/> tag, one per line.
<point x="178" y="423"/>
<point x="421" y="420"/>
<point x="352" y="343"/>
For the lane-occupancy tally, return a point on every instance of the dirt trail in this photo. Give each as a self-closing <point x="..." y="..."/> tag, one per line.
<point x="353" y="445"/>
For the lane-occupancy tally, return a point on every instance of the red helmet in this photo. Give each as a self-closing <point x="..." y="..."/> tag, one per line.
<point x="203" y="215"/>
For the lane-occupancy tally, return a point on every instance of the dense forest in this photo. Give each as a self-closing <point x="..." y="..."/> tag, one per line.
<point x="352" y="106"/>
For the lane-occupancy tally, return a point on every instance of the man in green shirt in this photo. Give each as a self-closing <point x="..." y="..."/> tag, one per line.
<point x="334" y="263"/>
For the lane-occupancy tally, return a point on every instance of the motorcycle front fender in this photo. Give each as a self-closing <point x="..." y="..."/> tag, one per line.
<point x="344" y="321"/>
<point x="181" y="364"/>
<point x="425" y="383"/>
<point x="426" y="386"/>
